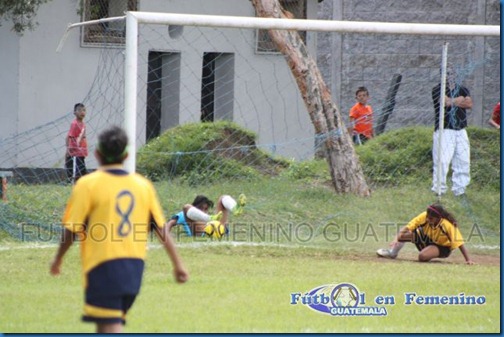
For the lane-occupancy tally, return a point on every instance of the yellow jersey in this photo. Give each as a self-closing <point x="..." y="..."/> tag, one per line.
<point x="444" y="234"/>
<point x="112" y="212"/>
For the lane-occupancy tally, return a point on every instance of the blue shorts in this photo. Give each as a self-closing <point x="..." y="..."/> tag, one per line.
<point x="422" y="240"/>
<point x="108" y="309"/>
<point x="111" y="289"/>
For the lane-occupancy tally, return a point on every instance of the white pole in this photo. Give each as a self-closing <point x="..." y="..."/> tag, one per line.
<point x="444" y="62"/>
<point x="316" y="25"/>
<point x="130" y="89"/>
<point x="82" y="24"/>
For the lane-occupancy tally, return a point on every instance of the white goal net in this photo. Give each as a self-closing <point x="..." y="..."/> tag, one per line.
<point x="207" y="94"/>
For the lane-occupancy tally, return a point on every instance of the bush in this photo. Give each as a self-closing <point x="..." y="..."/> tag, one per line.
<point x="205" y="152"/>
<point x="405" y="155"/>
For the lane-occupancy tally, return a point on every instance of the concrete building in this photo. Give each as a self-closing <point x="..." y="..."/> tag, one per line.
<point x="348" y="61"/>
<point x="39" y="86"/>
<point x="189" y="75"/>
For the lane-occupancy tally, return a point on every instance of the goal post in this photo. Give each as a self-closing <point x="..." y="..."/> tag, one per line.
<point x="165" y="69"/>
<point x="135" y="18"/>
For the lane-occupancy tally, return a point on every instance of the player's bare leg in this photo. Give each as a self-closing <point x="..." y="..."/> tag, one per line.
<point x="109" y="327"/>
<point x="428" y="253"/>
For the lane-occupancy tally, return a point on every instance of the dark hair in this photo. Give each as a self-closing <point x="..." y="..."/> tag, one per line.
<point x="112" y="144"/>
<point x="359" y="89"/>
<point x="438" y="211"/>
<point x="200" y="200"/>
<point x="78" y="106"/>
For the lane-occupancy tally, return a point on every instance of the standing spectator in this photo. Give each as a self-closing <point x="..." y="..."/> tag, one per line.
<point x="111" y="212"/>
<point x="455" y="149"/>
<point x="361" y="117"/>
<point x="495" y="119"/>
<point x="76" y="144"/>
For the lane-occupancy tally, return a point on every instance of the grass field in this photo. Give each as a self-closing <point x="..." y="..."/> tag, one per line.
<point x="296" y="235"/>
<point x="244" y="283"/>
<point x="247" y="289"/>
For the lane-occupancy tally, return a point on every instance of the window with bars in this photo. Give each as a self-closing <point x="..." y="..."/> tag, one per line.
<point x="107" y="32"/>
<point x="264" y="44"/>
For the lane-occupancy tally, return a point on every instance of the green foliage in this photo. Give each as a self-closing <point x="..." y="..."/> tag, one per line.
<point x="21" y="13"/>
<point x="398" y="156"/>
<point x="307" y="170"/>
<point x="405" y="156"/>
<point x="485" y="157"/>
<point x="205" y="152"/>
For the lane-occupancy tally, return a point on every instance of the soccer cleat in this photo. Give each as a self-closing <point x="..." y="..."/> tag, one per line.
<point x="385" y="253"/>
<point x="242" y="201"/>
<point x="216" y="217"/>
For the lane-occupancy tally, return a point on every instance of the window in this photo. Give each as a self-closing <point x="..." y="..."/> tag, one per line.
<point x="217" y="87"/>
<point x="298" y="9"/>
<point x="107" y="32"/>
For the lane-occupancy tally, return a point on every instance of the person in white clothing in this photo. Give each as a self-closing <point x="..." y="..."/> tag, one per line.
<point x="455" y="148"/>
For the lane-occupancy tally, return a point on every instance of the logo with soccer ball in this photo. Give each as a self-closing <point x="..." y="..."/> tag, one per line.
<point x="345" y="295"/>
<point x="342" y="299"/>
<point x="215" y="229"/>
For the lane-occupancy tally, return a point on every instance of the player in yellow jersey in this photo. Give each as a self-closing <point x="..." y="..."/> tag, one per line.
<point x="111" y="213"/>
<point x="435" y="234"/>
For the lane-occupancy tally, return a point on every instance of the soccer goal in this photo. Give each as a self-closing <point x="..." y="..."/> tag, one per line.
<point x="212" y="97"/>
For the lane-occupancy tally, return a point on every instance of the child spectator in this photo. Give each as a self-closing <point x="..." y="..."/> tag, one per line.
<point x="361" y="117"/>
<point x="76" y="144"/>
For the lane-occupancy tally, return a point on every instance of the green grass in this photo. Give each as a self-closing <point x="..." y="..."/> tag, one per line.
<point x="244" y="284"/>
<point x="247" y="289"/>
<point x="295" y="235"/>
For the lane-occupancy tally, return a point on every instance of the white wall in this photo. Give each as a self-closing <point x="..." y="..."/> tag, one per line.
<point x="39" y="85"/>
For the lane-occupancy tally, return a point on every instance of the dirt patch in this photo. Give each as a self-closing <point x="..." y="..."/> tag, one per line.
<point x="455" y="258"/>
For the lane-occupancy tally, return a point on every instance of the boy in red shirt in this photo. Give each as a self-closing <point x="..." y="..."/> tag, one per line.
<point x="361" y="116"/>
<point x="495" y="119"/>
<point x="76" y="143"/>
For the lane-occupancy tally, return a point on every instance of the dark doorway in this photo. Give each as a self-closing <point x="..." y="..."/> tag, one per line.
<point x="163" y="93"/>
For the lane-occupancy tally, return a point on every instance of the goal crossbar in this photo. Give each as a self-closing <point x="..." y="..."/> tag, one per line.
<point x="315" y="25"/>
<point x="134" y="18"/>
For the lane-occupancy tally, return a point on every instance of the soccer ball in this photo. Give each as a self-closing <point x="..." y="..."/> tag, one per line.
<point x="215" y="229"/>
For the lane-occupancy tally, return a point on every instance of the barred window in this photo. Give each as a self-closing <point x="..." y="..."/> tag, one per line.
<point x="108" y="32"/>
<point x="264" y="44"/>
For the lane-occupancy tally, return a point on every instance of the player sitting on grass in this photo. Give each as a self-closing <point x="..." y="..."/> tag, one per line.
<point x="435" y="234"/>
<point x="194" y="217"/>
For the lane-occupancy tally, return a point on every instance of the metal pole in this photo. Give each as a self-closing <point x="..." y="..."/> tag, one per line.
<point x="444" y="61"/>
<point x="130" y="89"/>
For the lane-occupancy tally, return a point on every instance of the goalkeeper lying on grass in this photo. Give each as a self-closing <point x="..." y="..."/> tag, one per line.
<point x="195" y="218"/>
<point x="434" y="233"/>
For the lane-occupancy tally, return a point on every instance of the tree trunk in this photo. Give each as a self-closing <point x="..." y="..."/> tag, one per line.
<point x="346" y="171"/>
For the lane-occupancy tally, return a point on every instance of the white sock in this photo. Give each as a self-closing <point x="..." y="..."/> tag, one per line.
<point x="228" y="202"/>
<point x="397" y="247"/>
<point x="196" y="214"/>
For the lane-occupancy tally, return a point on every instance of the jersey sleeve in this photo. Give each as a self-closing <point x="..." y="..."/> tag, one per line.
<point x="353" y="113"/>
<point x="157" y="216"/>
<point x="417" y="221"/>
<point x="180" y="218"/>
<point x="453" y="234"/>
<point x="77" y="209"/>
<point x="465" y="92"/>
